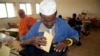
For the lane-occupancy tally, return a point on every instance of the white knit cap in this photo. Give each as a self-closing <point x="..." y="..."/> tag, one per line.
<point x="47" y="7"/>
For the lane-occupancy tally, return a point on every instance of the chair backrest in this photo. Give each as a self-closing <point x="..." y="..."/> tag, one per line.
<point x="93" y="21"/>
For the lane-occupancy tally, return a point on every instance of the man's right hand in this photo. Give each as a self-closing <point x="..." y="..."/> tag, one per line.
<point x="38" y="41"/>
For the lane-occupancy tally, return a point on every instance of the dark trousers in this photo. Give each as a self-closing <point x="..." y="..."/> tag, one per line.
<point x="33" y="51"/>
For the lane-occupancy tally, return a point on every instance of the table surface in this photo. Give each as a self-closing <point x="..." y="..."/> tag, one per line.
<point x="12" y="30"/>
<point x="9" y="30"/>
<point x="4" y="51"/>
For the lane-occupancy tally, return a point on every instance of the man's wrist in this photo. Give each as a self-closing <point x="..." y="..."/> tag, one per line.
<point x="26" y="42"/>
<point x="30" y="41"/>
<point x="70" y="41"/>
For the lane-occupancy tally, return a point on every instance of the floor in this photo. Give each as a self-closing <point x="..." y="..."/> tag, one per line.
<point x="90" y="45"/>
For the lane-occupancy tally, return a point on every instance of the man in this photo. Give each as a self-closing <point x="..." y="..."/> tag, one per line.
<point x="55" y="26"/>
<point x="25" y="22"/>
<point x="60" y="16"/>
<point x="75" y="23"/>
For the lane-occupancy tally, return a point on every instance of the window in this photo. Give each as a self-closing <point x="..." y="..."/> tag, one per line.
<point x="7" y="10"/>
<point x="3" y="12"/>
<point x="37" y="8"/>
<point x="22" y="6"/>
<point x="10" y="10"/>
<point x="26" y="7"/>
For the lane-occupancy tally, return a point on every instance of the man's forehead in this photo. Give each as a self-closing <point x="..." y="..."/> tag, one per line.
<point x="20" y="11"/>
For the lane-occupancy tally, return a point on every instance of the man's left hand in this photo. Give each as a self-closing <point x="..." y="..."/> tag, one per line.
<point x="61" y="46"/>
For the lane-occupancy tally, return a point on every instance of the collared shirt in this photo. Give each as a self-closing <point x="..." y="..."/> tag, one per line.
<point x="62" y="31"/>
<point x="43" y="28"/>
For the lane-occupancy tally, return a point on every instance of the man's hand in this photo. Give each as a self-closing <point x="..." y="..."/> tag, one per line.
<point x="37" y="41"/>
<point x="61" y="46"/>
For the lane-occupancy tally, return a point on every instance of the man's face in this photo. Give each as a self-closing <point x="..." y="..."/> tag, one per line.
<point x="74" y="15"/>
<point x="22" y="14"/>
<point x="48" y="21"/>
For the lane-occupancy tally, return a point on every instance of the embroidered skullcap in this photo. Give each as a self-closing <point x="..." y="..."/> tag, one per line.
<point x="47" y="7"/>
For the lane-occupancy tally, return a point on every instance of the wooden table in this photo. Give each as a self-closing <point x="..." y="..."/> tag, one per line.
<point x="11" y="42"/>
<point x="2" y="29"/>
<point x="12" y="30"/>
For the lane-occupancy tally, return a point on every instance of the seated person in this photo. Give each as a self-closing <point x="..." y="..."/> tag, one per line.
<point x="60" y="16"/>
<point x="61" y="31"/>
<point x="75" y="23"/>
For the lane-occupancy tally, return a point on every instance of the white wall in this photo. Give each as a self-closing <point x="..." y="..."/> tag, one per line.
<point x="64" y="7"/>
<point x="67" y="7"/>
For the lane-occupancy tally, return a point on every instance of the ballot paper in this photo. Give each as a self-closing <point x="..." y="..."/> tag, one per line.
<point x="49" y="39"/>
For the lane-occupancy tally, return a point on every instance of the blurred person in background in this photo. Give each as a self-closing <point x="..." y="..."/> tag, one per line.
<point x="25" y="22"/>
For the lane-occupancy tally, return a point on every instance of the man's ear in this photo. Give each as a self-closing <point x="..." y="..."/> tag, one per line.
<point x="56" y="13"/>
<point x="40" y="14"/>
